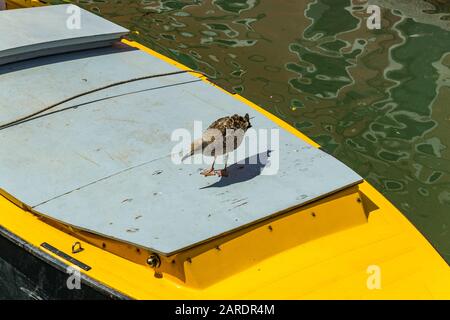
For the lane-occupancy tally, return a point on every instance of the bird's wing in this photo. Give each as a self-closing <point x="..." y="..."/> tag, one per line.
<point x="198" y="145"/>
<point x="221" y="124"/>
<point x="218" y="127"/>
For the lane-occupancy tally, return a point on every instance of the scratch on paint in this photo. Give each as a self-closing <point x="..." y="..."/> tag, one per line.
<point x="101" y="179"/>
<point x="239" y="205"/>
<point x="87" y="159"/>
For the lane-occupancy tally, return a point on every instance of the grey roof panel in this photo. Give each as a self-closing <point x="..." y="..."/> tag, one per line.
<point x="105" y="166"/>
<point x="33" y="32"/>
<point x="29" y="86"/>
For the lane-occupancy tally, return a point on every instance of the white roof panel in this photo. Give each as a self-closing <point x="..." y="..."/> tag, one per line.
<point x="33" y="32"/>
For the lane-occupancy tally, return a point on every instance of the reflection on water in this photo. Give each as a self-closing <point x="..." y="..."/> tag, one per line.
<point x="378" y="100"/>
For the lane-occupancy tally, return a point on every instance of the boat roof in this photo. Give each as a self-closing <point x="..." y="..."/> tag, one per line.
<point x="59" y="30"/>
<point x="103" y="162"/>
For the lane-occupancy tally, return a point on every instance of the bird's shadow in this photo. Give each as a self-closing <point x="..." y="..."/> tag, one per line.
<point x="244" y="170"/>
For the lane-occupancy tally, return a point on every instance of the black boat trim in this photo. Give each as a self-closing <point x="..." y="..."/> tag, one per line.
<point x="65" y="256"/>
<point x="59" y="265"/>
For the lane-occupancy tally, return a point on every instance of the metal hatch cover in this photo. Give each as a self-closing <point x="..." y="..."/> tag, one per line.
<point x="104" y="166"/>
<point x="33" y="32"/>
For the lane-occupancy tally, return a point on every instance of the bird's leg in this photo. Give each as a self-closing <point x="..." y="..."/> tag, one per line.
<point x="223" y="172"/>
<point x="210" y="171"/>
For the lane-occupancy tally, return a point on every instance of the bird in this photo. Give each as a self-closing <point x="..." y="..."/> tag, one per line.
<point x="222" y="137"/>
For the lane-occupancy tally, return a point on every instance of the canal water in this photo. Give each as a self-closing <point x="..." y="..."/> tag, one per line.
<point x="378" y="100"/>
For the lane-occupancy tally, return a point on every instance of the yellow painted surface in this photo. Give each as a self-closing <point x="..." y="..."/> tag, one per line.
<point x="332" y="266"/>
<point x="16" y="4"/>
<point x="328" y="259"/>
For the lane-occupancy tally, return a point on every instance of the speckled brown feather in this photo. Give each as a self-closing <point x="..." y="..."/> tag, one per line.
<point x="234" y="122"/>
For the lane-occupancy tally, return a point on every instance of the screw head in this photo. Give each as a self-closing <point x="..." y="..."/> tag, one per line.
<point x="154" y="261"/>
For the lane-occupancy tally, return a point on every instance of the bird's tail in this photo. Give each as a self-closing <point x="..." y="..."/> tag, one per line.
<point x="187" y="156"/>
<point x="195" y="146"/>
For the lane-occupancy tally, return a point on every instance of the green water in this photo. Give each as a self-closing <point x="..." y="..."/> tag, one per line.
<point x="378" y="100"/>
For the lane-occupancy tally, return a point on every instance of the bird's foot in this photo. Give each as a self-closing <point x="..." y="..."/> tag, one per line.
<point x="222" y="173"/>
<point x="208" y="172"/>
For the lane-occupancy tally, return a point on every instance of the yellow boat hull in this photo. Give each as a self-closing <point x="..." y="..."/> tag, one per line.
<point x="374" y="253"/>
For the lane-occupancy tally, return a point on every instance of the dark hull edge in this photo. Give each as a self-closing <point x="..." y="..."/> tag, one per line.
<point x="43" y="273"/>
